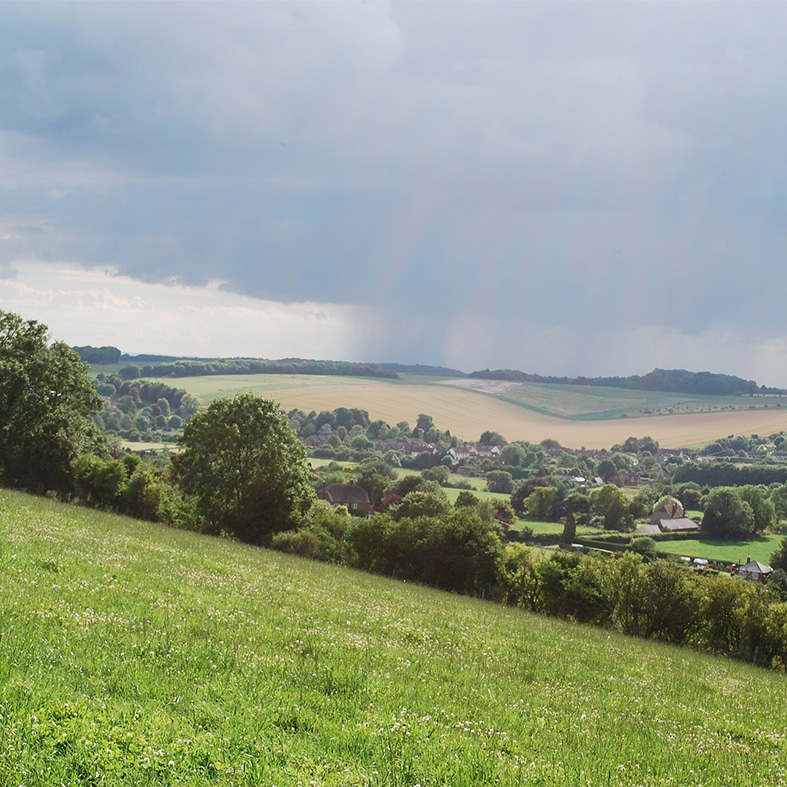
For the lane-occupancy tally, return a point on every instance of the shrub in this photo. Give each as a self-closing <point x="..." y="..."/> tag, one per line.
<point x="644" y="545"/>
<point x="518" y="579"/>
<point x="305" y="542"/>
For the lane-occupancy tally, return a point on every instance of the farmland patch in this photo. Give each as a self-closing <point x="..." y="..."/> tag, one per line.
<point x="467" y="413"/>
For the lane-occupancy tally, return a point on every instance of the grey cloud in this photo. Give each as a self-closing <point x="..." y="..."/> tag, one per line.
<point x="621" y="163"/>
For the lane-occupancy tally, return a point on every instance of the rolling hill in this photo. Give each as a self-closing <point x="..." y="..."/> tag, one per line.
<point x="133" y="653"/>
<point x="576" y="416"/>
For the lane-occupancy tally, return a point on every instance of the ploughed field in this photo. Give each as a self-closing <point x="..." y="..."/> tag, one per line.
<point x="131" y="653"/>
<point x="575" y="416"/>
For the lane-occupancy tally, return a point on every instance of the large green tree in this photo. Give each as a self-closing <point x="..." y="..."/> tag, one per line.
<point x="609" y="502"/>
<point x="46" y="400"/>
<point x="500" y="481"/>
<point x="761" y="505"/>
<point x="543" y="503"/>
<point x="779" y="500"/>
<point x="243" y="463"/>
<point x="727" y="515"/>
<point x="779" y="557"/>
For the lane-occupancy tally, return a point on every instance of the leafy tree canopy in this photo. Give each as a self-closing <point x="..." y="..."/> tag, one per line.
<point x="246" y="468"/>
<point x="779" y="557"/>
<point x="46" y="399"/>
<point x="491" y="438"/>
<point x="610" y="503"/>
<point x="762" y="506"/>
<point x="543" y="503"/>
<point x="500" y="481"/>
<point x="671" y="380"/>
<point x="727" y="515"/>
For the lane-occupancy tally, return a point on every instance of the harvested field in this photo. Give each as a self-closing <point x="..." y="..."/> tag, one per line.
<point x="467" y="415"/>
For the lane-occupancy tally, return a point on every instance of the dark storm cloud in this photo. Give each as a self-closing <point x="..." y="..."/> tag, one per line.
<point x="573" y="166"/>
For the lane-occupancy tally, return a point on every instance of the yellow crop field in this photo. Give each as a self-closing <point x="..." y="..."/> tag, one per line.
<point x="468" y="412"/>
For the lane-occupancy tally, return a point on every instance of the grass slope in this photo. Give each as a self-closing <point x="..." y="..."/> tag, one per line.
<point x="574" y="415"/>
<point x="135" y="654"/>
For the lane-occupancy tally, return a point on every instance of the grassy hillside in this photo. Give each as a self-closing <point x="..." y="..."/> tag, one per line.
<point x="585" y="402"/>
<point x="136" y="654"/>
<point x="574" y="415"/>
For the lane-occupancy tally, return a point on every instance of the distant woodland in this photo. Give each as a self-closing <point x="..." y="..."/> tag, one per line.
<point x="666" y="380"/>
<point x="165" y="366"/>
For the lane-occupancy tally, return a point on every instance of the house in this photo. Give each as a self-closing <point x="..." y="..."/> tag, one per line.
<point x="670" y="511"/>
<point x="754" y="570"/>
<point x="670" y="519"/>
<point x="647" y="530"/>
<point x="678" y="525"/>
<point x="350" y="495"/>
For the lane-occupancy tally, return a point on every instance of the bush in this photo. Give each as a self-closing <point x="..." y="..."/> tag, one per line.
<point x="99" y="483"/>
<point x="518" y="578"/>
<point x="438" y="473"/>
<point x="304" y="542"/>
<point x="644" y="545"/>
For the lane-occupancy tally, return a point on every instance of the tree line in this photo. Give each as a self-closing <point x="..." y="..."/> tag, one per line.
<point x="188" y="367"/>
<point x="140" y="410"/>
<point x="667" y="380"/>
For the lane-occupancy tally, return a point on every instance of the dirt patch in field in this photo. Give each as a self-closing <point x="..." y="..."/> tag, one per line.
<point x="497" y="387"/>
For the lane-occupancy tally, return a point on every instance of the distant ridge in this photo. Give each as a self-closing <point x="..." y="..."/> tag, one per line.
<point x="195" y="368"/>
<point x="666" y="380"/>
<point x="417" y="368"/>
<point x="148" y="358"/>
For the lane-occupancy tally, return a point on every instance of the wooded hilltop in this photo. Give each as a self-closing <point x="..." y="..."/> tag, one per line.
<point x="666" y="380"/>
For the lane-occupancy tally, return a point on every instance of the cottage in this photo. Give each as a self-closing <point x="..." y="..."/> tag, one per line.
<point x="668" y="525"/>
<point x="350" y="495"/>
<point x="669" y="519"/>
<point x="754" y="570"/>
<point x="678" y="525"/>
<point x="672" y="510"/>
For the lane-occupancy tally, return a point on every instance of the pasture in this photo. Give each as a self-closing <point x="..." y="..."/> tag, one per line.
<point x="136" y="654"/>
<point x="585" y="402"/>
<point x="567" y="415"/>
<point x="759" y="548"/>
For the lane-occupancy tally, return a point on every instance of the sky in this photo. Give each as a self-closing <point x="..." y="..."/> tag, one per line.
<point x="571" y="188"/>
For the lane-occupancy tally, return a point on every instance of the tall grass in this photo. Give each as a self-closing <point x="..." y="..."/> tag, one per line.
<point x="135" y="654"/>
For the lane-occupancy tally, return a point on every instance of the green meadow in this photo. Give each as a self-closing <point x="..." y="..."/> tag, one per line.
<point x="135" y="654"/>
<point x="759" y="548"/>
<point x="586" y="402"/>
